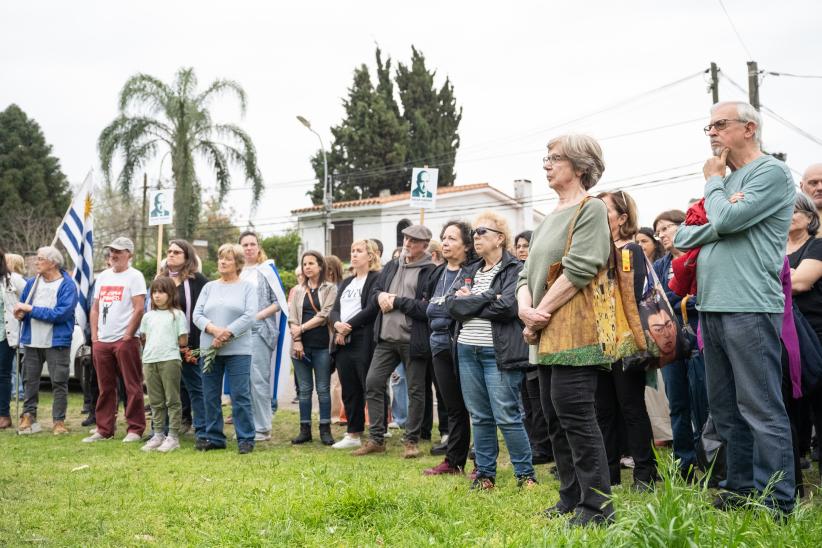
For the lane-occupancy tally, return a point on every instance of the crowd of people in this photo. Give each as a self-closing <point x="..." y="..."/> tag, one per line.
<point x="548" y="338"/>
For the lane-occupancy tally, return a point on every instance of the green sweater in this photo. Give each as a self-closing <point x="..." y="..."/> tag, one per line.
<point x="743" y="244"/>
<point x="590" y="246"/>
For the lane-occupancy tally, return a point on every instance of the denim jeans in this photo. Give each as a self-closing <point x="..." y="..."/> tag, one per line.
<point x="688" y="404"/>
<point x="192" y="375"/>
<point x="314" y="368"/>
<point x="743" y="370"/>
<point x="237" y="368"/>
<point x="6" y="386"/>
<point x="492" y="398"/>
<point x="21" y="391"/>
<point x="399" y="399"/>
<point x="261" y="392"/>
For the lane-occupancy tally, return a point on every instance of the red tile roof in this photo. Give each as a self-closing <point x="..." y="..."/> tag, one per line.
<point x="393" y="198"/>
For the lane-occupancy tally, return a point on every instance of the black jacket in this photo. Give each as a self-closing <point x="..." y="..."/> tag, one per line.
<point x="362" y="323"/>
<point x="415" y="308"/>
<point x="509" y="346"/>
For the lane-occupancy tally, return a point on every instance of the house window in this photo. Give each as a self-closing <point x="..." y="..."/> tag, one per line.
<point x="402" y="225"/>
<point x="341" y="238"/>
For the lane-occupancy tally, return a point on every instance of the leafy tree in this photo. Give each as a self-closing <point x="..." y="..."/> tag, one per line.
<point x="216" y="226"/>
<point x="376" y="144"/>
<point x="156" y="116"/>
<point x="284" y="249"/>
<point x="34" y="192"/>
<point x="433" y="117"/>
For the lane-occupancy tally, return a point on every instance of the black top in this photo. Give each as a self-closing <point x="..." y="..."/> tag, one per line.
<point x="809" y="302"/>
<point x="638" y="265"/>
<point x="362" y="323"/>
<point x="195" y="286"/>
<point x="318" y="336"/>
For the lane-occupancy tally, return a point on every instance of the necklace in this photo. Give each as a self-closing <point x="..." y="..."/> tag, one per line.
<point x="441" y="299"/>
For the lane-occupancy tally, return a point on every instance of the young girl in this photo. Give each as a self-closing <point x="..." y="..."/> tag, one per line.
<point x="164" y="330"/>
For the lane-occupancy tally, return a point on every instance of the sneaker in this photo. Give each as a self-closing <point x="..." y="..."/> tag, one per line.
<point x="132" y="437"/>
<point x="393" y="425"/>
<point x="245" y="447"/>
<point x="527" y="481"/>
<point x="348" y="442"/>
<point x="28" y="425"/>
<point x="443" y="468"/>
<point x="95" y="437"/>
<point x="482" y="484"/>
<point x="412" y="451"/>
<point x="262" y="436"/>
<point x="88" y="421"/>
<point x="59" y="428"/>
<point x="155" y="442"/>
<point x="370" y="447"/>
<point x="626" y="462"/>
<point x="169" y="444"/>
<point x="441" y="448"/>
<point x="92" y="430"/>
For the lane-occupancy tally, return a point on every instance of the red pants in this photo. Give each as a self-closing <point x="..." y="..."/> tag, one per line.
<point x="113" y="360"/>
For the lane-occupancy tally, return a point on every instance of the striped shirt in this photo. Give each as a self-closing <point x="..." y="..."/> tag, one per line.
<point x="477" y="331"/>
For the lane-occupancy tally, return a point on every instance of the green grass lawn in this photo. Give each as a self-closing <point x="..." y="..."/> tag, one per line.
<point x="60" y="492"/>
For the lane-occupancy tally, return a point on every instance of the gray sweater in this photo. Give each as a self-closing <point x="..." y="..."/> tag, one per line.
<point x="232" y="306"/>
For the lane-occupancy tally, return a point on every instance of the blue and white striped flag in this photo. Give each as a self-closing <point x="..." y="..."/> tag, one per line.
<point x="76" y="233"/>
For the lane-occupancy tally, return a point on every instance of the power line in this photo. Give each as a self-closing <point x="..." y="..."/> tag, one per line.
<point x="738" y="36"/>
<point x="792" y="126"/>
<point x="788" y="74"/>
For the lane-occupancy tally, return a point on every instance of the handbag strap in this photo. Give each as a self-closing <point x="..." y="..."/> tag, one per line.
<point x="683" y="306"/>
<point x="311" y="299"/>
<point x="573" y="225"/>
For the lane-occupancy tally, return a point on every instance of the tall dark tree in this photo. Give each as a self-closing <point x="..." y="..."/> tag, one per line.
<point x="156" y="116"/>
<point x="370" y="137"/>
<point x="376" y="144"/>
<point x="433" y="117"/>
<point x="34" y="192"/>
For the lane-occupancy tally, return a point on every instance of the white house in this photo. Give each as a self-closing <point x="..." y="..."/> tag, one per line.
<point x="385" y="216"/>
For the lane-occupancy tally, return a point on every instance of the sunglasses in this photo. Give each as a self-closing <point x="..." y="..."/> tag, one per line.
<point x="482" y="231"/>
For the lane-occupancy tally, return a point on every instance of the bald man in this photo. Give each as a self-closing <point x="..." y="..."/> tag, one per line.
<point x="811" y="185"/>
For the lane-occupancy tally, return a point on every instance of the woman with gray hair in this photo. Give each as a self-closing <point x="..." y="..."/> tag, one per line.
<point x="576" y="235"/>
<point x="48" y="324"/>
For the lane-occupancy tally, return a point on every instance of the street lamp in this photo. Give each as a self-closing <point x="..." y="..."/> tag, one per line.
<point x="327" y="197"/>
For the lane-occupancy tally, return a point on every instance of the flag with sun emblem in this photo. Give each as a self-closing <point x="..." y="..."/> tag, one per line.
<point x="77" y="235"/>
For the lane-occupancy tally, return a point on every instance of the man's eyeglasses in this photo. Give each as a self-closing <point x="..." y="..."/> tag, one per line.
<point x="553" y="159"/>
<point x="482" y="230"/>
<point x="721" y="124"/>
<point x="174" y="252"/>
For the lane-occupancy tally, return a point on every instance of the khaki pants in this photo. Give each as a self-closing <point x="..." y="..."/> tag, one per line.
<point x="163" y="383"/>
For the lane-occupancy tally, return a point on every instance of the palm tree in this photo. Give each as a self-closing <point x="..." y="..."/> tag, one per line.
<point x="155" y="116"/>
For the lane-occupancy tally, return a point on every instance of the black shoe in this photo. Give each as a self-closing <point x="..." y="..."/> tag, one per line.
<point x="439" y="449"/>
<point x="325" y="434"/>
<point x="91" y="419"/>
<point x="304" y="436"/>
<point x="471" y="454"/>
<point x="556" y="511"/>
<point x="729" y="500"/>
<point x="554" y="472"/>
<point x="206" y="445"/>
<point x="245" y="447"/>
<point x="85" y="410"/>
<point x="585" y="519"/>
<point x="541" y="458"/>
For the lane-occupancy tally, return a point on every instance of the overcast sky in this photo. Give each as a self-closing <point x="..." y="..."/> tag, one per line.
<point x="521" y="71"/>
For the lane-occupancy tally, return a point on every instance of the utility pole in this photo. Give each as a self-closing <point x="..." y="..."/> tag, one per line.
<point x="143" y="220"/>
<point x="714" y="83"/>
<point x="753" y="84"/>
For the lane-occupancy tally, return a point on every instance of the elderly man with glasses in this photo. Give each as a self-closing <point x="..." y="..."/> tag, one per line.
<point x="741" y="304"/>
<point x="811" y="185"/>
<point x="46" y="308"/>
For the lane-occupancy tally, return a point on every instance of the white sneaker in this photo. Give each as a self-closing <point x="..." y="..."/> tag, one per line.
<point x="94" y="437"/>
<point x="388" y="434"/>
<point x="262" y="436"/>
<point x="169" y="444"/>
<point x="155" y="442"/>
<point x="131" y="437"/>
<point x="93" y="430"/>
<point x="33" y="429"/>
<point x="348" y="442"/>
<point x="393" y="425"/>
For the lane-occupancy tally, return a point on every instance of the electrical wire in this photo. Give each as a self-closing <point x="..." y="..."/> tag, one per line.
<point x="738" y="36"/>
<point x="790" y="125"/>
<point x="788" y="74"/>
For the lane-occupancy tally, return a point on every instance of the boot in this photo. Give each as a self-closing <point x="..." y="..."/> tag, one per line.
<point x="325" y="434"/>
<point x="304" y="435"/>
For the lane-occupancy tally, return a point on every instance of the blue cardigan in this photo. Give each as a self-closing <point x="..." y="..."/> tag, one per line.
<point x="62" y="315"/>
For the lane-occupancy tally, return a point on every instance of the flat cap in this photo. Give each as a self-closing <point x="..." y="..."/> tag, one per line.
<point x="418" y="232"/>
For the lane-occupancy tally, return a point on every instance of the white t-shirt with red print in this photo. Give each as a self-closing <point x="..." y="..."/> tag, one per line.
<point x="115" y="291"/>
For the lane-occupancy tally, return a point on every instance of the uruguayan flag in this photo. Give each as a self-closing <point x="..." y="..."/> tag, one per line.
<point x="76" y="233"/>
<point x="281" y="370"/>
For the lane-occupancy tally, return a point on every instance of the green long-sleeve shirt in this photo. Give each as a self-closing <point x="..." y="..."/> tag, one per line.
<point x="743" y="244"/>
<point x="588" y="254"/>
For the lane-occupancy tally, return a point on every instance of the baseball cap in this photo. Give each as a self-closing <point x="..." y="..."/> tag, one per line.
<point x="122" y="244"/>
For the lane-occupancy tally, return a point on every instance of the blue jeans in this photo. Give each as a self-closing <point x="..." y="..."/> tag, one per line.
<point x="688" y="403"/>
<point x="6" y="387"/>
<point x="192" y="375"/>
<point x="399" y="401"/>
<point x="743" y="369"/>
<point x="237" y="368"/>
<point x="315" y="366"/>
<point x="492" y="398"/>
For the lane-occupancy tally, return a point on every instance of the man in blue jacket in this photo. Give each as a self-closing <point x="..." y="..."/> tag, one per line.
<point x="48" y="324"/>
